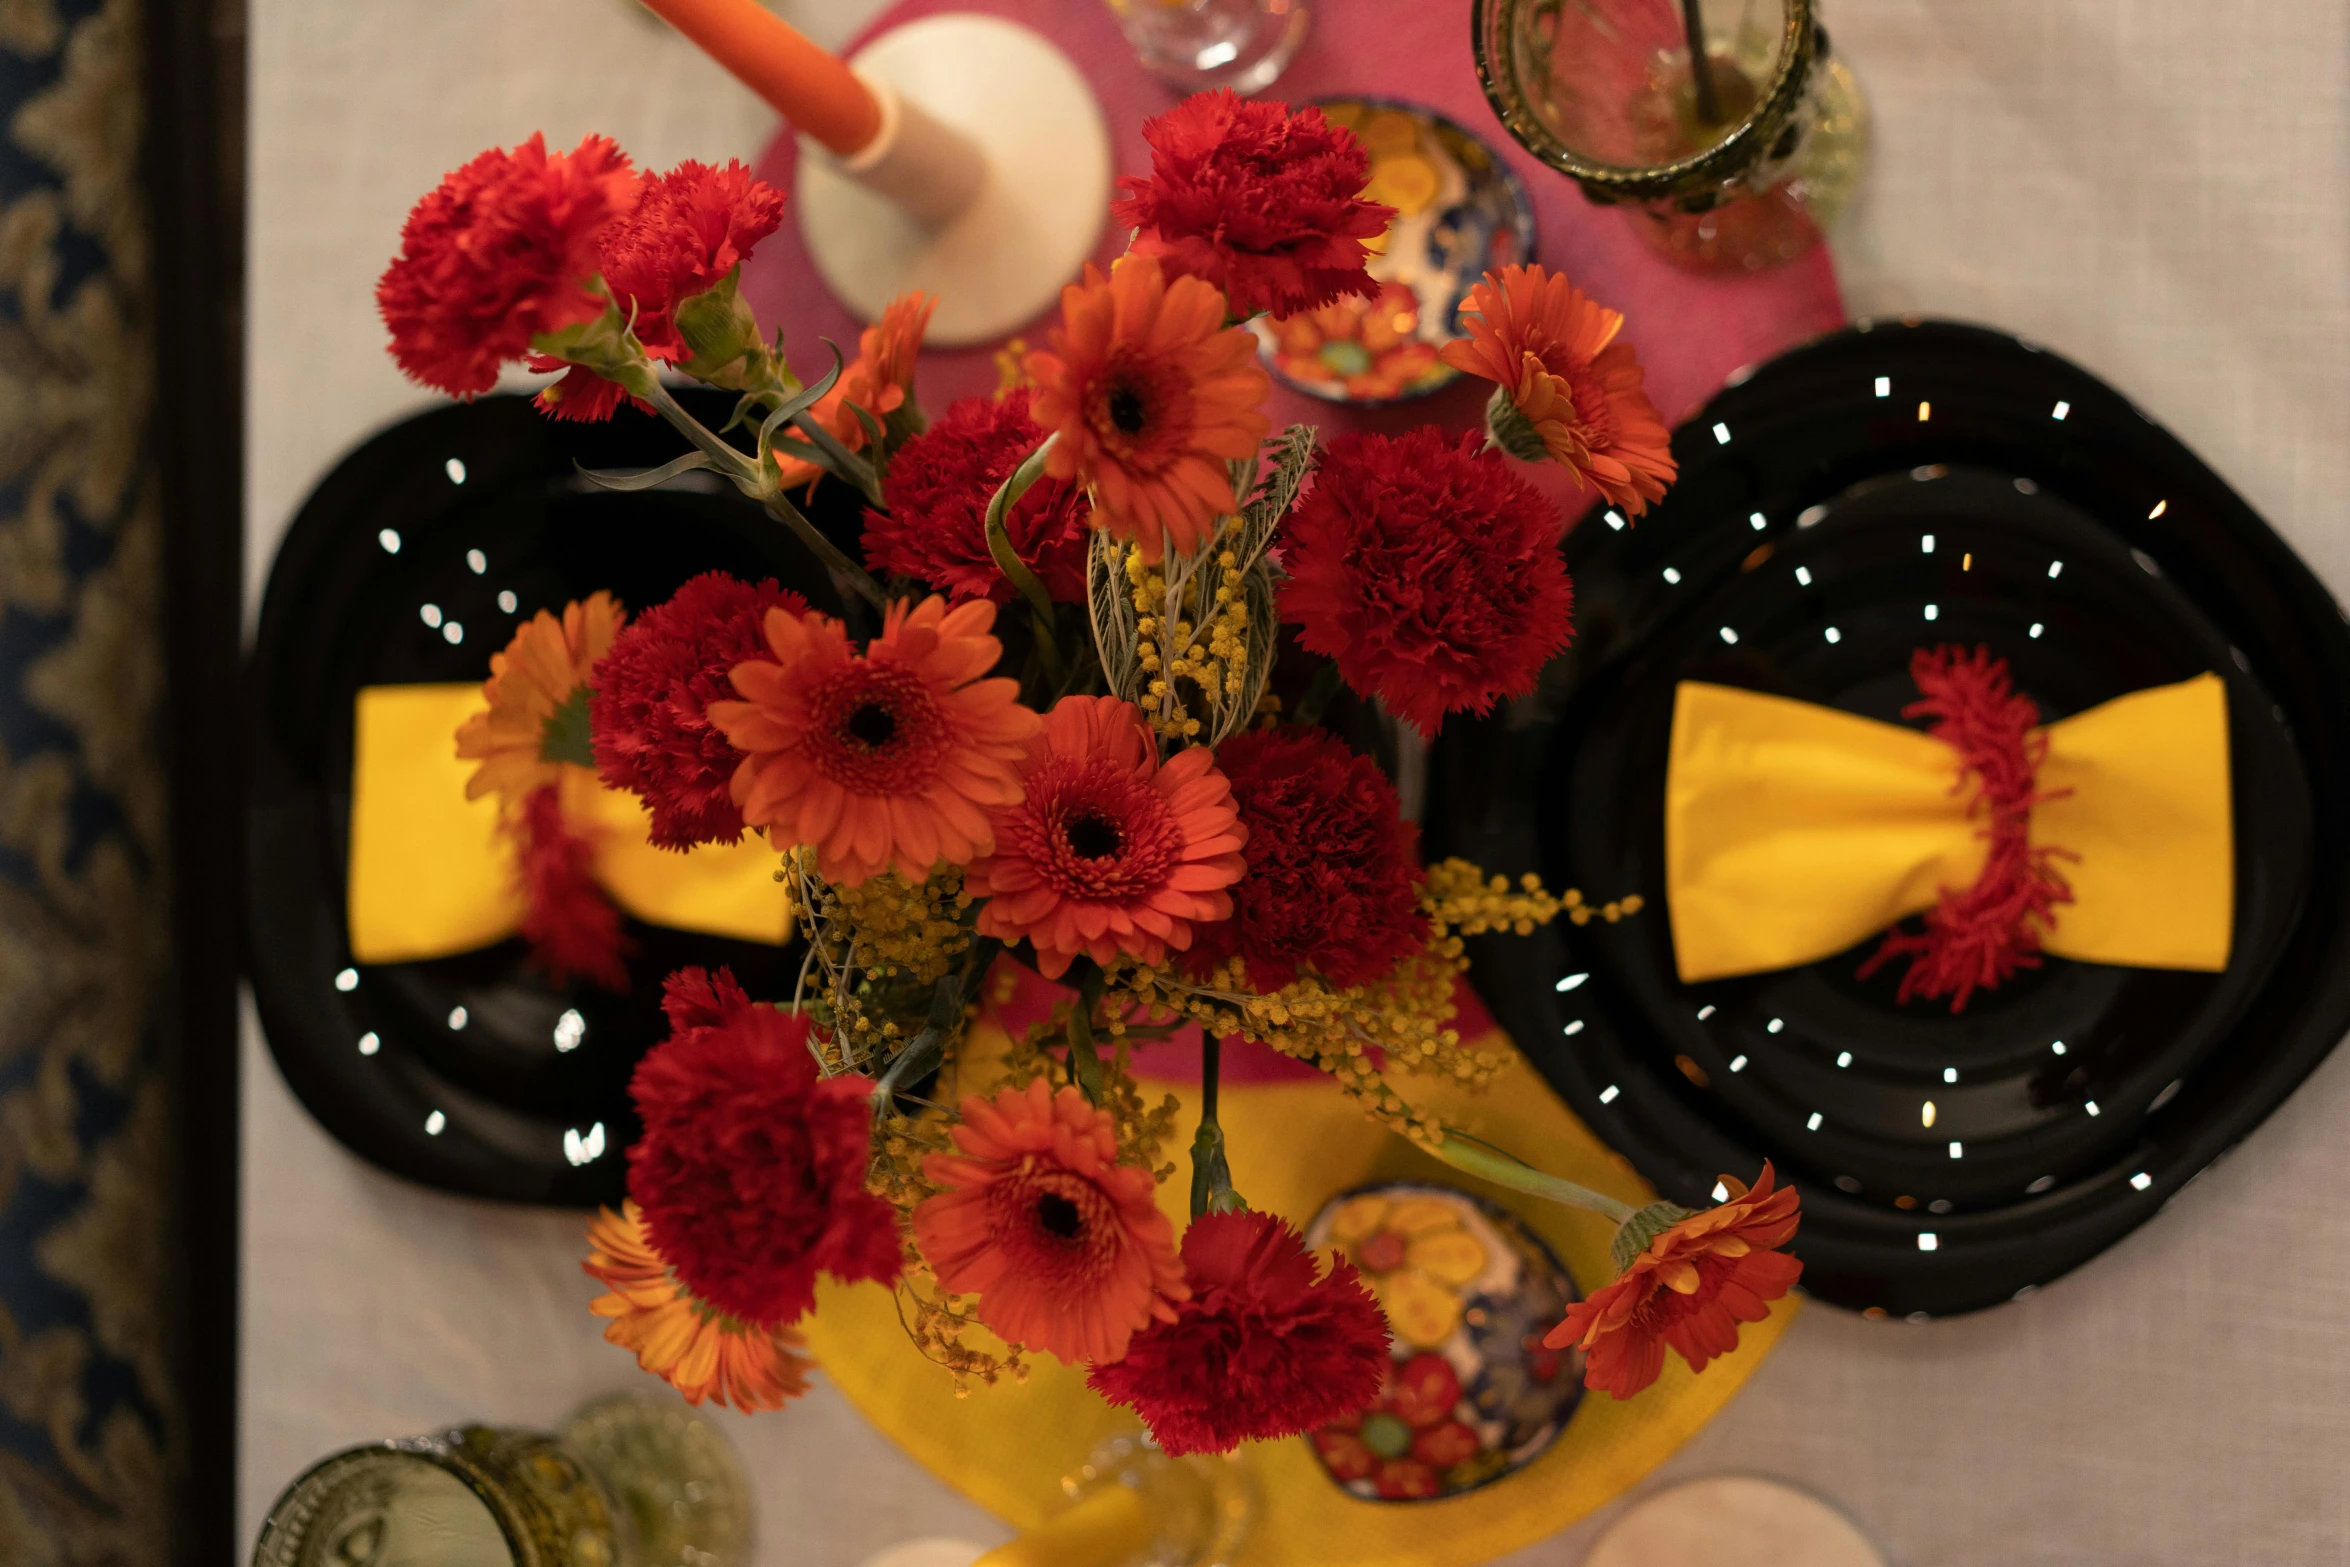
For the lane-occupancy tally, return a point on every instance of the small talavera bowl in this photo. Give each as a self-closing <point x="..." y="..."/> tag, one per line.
<point x="1460" y="212"/>
<point x="1472" y="1394"/>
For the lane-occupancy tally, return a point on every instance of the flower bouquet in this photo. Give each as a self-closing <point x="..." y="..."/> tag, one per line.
<point x="1046" y="727"/>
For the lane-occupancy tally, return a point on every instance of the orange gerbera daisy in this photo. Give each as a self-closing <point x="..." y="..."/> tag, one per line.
<point x="1690" y="1288"/>
<point x="888" y="759"/>
<point x="533" y="686"/>
<point x="701" y="1352"/>
<point x="879" y="380"/>
<point x="1574" y="388"/>
<point x="1106" y="851"/>
<point x="535" y="726"/>
<point x="1064" y="1246"/>
<point x="1151" y="395"/>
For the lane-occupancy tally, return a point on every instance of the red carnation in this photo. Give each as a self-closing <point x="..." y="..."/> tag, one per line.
<point x="702" y="998"/>
<point x="573" y="929"/>
<point x="751" y="1172"/>
<point x="938" y="487"/>
<point x="690" y="229"/>
<point x="1333" y="868"/>
<point x="651" y="733"/>
<point x="504" y="251"/>
<point x="1429" y="571"/>
<point x="1262" y="202"/>
<point x="1260" y="1350"/>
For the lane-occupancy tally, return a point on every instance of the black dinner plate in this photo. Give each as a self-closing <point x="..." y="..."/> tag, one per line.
<point x="1885" y="488"/>
<point x="469" y="1073"/>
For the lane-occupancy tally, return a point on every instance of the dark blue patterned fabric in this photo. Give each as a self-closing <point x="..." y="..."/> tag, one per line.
<point x="85" y="1394"/>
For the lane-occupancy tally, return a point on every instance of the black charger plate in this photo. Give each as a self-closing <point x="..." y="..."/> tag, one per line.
<point x="2074" y="1101"/>
<point x="520" y="1101"/>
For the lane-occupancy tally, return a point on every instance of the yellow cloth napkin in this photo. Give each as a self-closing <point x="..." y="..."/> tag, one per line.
<point x="430" y="874"/>
<point x="1293" y="1146"/>
<point x="1793" y="832"/>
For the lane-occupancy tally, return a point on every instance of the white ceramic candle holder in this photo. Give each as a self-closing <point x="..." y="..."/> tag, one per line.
<point x="987" y="184"/>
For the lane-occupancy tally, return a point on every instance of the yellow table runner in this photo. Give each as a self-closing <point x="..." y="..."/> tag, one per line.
<point x="1293" y="1145"/>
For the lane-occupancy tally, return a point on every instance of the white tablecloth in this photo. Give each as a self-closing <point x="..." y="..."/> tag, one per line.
<point x="2157" y="188"/>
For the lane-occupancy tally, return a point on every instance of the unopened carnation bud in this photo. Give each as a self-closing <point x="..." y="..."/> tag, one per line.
<point x="721" y="335"/>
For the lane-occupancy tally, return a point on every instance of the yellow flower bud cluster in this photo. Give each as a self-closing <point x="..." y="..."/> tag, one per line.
<point x="1332" y="1029"/>
<point x="1458" y="898"/>
<point x="1161" y="650"/>
<point x="875" y="952"/>
<point x="1192" y="645"/>
<point x="1404" y="1018"/>
<point x="1011" y="367"/>
<point x="937" y="1322"/>
<point x="904" y="931"/>
<point x="1142" y="1128"/>
<point x="900" y="1143"/>
<point x="1227" y="665"/>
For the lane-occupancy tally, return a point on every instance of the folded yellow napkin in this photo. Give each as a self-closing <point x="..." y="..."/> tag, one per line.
<point x="431" y="875"/>
<point x="1793" y="832"/>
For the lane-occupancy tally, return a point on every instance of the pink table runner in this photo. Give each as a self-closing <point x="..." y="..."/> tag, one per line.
<point x="1691" y="331"/>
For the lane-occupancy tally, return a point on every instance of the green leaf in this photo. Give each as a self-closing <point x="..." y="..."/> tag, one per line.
<point x="838" y="460"/>
<point x="566" y="737"/>
<point x="876" y="438"/>
<point x="1293" y="459"/>
<point x="801" y="401"/>
<point x="650" y="478"/>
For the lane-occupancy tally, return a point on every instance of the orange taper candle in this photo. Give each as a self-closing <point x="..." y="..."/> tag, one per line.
<point x="812" y="89"/>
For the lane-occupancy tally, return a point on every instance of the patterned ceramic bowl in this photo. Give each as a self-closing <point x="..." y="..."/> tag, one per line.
<point x="1459" y="212"/>
<point x="1471" y="1393"/>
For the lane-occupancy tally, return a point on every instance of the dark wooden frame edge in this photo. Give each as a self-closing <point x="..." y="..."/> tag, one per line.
<point x="194" y="169"/>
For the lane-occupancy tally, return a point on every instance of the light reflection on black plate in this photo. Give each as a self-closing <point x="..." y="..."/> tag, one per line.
<point x="2073" y="1102"/>
<point x="468" y="1073"/>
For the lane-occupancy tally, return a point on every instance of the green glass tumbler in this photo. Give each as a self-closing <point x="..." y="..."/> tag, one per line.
<point x="1733" y="172"/>
<point x="629" y="1481"/>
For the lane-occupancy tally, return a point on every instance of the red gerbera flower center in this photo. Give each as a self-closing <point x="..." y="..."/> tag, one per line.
<point x="1096" y="832"/>
<point x="1126" y="409"/>
<point x="1092" y="837"/>
<point x="1135" y="404"/>
<point x="1055" y="1225"/>
<point x="878" y="731"/>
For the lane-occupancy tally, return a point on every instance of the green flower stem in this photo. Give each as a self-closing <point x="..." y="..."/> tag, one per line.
<point x="844" y="570"/>
<point x="1211" y="1174"/>
<point x="1490" y="1164"/>
<point x="1085" y="1058"/>
<point x="737" y="466"/>
<point x="1316" y="701"/>
<point x="927" y="1049"/>
<point x="1015" y="570"/>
